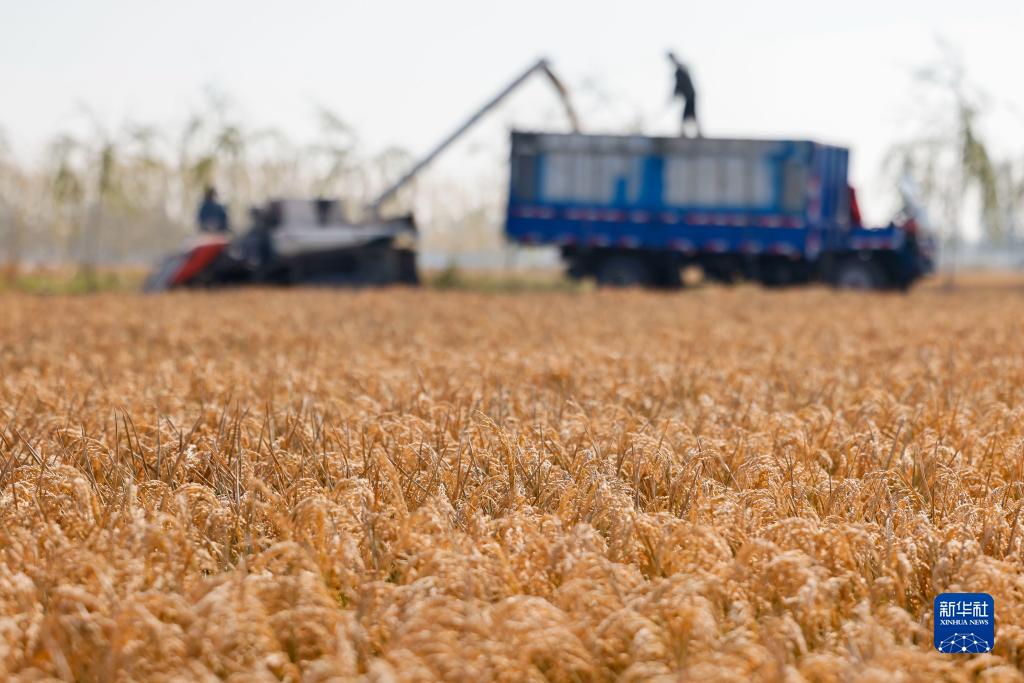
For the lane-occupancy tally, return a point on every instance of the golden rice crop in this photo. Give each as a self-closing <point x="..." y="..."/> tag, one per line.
<point x="411" y="485"/>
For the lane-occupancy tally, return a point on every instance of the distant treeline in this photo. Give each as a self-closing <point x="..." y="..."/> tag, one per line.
<point x="126" y="194"/>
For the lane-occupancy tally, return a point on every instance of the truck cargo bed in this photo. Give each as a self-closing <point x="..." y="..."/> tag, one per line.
<point x="777" y="211"/>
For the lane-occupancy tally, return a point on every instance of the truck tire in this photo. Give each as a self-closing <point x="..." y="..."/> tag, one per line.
<point x="407" y="273"/>
<point x="774" y="272"/>
<point x="668" y="276"/>
<point x="858" y="274"/>
<point x="623" y="271"/>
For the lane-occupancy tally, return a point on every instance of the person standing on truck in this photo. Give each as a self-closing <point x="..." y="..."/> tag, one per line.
<point x="212" y="216"/>
<point x="684" y="89"/>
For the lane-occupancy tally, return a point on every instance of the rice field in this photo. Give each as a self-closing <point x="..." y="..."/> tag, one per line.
<point x="716" y="485"/>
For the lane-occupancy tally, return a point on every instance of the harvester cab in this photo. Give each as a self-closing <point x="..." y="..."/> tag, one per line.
<point x="312" y="241"/>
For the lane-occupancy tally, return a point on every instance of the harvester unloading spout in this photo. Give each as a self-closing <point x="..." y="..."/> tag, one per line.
<point x="542" y="66"/>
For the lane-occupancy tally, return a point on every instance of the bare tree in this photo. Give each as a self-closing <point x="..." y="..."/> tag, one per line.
<point x="947" y="155"/>
<point x="67" y="192"/>
<point x="332" y="155"/>
<point x="8" y="217"/>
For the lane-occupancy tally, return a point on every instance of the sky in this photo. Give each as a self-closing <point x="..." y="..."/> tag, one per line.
<point x="406" y="73"/>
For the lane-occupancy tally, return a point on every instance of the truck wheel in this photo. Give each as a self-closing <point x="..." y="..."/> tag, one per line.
<point x="407" y="273"/>
<point x="668" y="276"/>
<point x="859" y="275"/>
<point x="623" y="271"/>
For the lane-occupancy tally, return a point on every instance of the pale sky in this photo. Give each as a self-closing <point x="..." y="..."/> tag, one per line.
<point x="406" y="73"/>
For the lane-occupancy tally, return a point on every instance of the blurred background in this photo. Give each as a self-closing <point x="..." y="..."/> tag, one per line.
<point x="116" y="114"/>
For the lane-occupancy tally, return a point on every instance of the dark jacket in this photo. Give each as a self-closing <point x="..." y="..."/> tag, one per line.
<point x="684" y="85"/>
<point x="213" y="217"/>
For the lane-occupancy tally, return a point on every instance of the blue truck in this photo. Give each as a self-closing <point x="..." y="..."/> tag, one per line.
<point x="630" y="210"/>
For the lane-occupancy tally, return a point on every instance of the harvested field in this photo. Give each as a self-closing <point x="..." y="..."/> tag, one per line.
<point x="418" y="485"/>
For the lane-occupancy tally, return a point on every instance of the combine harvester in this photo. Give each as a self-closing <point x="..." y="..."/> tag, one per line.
<point x="312" y="241"/>
<point x="635" y="210"/>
